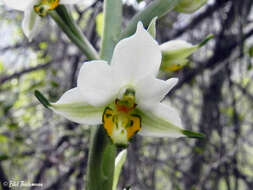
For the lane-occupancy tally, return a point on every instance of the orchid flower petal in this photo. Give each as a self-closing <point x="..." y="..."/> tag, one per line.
<point x="31" y="23"/>
<point x="161" y="121"/>
<point x="20" y="5"/>
<point x="72" y="106"/>
<point x="148" y="97"/>
<point x="96" y="83"/>
<point x="136" y="56"/>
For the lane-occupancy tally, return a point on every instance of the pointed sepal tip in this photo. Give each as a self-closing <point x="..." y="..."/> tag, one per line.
<point x="192" y="134"/>
<point x="209" y="37"/>
<point x="43" y="100"/>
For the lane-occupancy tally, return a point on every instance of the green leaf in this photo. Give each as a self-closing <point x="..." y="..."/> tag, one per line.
<point x="42" y="99"/>
<point x="152" y="27"/>
<point x="119" y="162"/>
<point x="64" y="20"/>
<point x="192" y="134"/>
<point x="112" y="27"/>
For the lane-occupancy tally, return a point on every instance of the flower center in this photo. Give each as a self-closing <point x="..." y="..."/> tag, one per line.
<point x="44" y="6"/>
<point x="120" y="121"/>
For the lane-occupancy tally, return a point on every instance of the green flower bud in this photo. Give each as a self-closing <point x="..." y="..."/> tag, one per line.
<point x="189" y="6"/>
<point x="175" y="53"/>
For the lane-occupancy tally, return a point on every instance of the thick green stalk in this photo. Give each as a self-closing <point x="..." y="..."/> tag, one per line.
<point x="66" y="23"/>
<point x="156" y="9"/>
<point x="102" y="152"/>
<point x="112" y="27"/>
<point x="101" y="161"/>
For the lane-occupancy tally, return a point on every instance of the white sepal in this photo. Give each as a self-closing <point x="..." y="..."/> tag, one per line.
<point x="150" y="91"/>
<point x="161" y="121"/>
<point x="72" y="106"/>
<point x="136" y="56"/>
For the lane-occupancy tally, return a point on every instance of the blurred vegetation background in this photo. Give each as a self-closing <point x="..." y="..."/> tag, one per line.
<point x="214" y="96"/>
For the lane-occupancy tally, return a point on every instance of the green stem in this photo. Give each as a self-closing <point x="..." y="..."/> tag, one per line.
<point x="156" y="9"/>
<point x="101" y="161"/>
<point x="66" y="23"/>
<point x="102" y="152"/>
<point x="112" y="27"/>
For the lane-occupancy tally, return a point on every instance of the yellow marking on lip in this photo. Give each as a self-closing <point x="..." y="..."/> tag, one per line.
<point x="44" y="6"/>
<point x="119" y="120"/>
<point x="135" y="126"/>
<point x="108" y="121"/>
<point x="114" y="121"/>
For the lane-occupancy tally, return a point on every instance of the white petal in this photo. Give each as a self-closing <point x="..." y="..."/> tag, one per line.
<point x="97" y="83"/>
<point x="72" y="106"/>
<point x="150" y="91"/>
<point x="136" y="56"/>
<point x="18" y="4"/>
<point x="31" y="23"/>
<point x="161" y="121"/>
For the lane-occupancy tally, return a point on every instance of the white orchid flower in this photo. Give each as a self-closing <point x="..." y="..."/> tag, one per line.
<point x="35" y="10"/>
<point x="125" y="96"/>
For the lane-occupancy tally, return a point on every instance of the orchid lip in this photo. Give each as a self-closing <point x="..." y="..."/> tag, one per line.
<point x="120" y="122"/>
